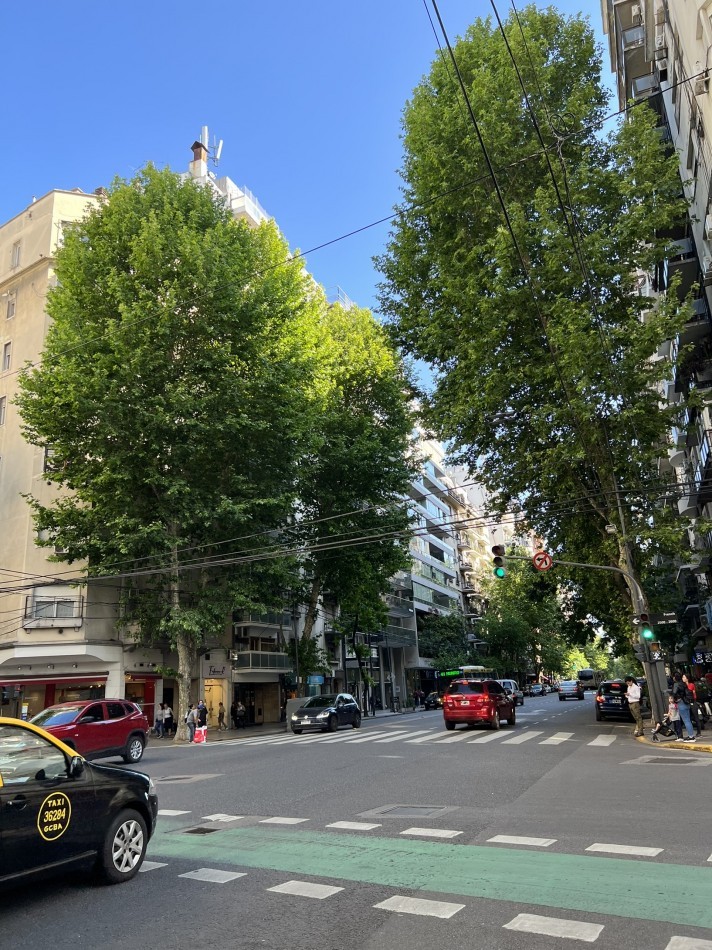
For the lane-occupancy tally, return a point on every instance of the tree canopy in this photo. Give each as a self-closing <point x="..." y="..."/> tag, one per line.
<point x="541" y="347"/>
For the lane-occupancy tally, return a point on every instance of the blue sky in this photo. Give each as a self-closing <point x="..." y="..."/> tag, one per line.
<point x="307" y="98"/>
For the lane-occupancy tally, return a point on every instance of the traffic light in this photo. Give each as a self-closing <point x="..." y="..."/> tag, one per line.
<point x="641" y="651"/>
<point x="499" y="570"/>
<point x="646" y="631"/>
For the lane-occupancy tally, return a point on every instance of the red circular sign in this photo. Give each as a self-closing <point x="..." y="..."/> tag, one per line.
<point x="542" y="561"/>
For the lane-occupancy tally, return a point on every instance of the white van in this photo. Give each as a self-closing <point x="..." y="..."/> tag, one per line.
<point x="513" y="687"/>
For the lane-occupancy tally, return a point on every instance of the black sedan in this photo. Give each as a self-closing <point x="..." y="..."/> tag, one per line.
<point x="58" y="812"/>
<point x="327" y="713"/>
<point x="433" y="701"/>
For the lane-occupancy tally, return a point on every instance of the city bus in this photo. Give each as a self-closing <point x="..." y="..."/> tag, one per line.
<point x="590" y="679"/>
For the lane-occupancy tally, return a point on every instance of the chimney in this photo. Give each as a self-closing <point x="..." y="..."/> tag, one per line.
<point x="199" y="166"/>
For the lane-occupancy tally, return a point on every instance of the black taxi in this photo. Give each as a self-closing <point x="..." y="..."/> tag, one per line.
<point x="58" y="811"/>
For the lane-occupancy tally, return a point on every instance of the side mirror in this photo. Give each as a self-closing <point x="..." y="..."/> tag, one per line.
<point x="85" y="719"/>
<point x="76" y="766"/>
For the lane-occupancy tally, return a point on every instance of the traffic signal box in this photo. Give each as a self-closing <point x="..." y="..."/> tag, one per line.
<point x="499" y="570"/>
<point x="646" y="631"/>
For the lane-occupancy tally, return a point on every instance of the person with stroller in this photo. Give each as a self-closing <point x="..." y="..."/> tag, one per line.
<point x="671" y="726"/>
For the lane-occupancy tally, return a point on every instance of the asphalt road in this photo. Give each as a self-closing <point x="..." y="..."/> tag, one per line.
<point x="555" y="832"/>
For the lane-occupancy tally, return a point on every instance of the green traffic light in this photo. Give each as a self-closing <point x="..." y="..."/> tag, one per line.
<point x="499" y="572"/>
<point x="647" y="633"/>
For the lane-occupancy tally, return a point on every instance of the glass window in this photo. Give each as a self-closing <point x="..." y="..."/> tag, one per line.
<point x="27" y="757"/>
<point x="115" y="710"/>
<point x="466" y="688"/>
<point x="6" y="357"/>
<point x="494" y="687"/>
<point x="94" y="712"/>
<point x="3" y="407"/>
<point x="11" y="305"/>
<point x="16" y="252"/>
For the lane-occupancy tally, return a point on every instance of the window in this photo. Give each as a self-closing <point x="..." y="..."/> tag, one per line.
<point x="15" y="257"/>
<point x="6" y="357"/>
<point x="26" y="757"/>
<point x="3" y="407"/>
<point x="44" y="608"/>
<point x="115" y="710"/>
<point x="11" y="305"/>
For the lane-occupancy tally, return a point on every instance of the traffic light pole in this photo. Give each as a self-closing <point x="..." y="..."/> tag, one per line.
<point x="654" y="670"/>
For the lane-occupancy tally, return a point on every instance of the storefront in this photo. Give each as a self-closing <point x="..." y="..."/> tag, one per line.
<point x="215" y="687"/>
<point x="24" y="697"/>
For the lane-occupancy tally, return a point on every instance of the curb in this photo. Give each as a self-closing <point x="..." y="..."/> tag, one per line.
<point x="680" y="746"/>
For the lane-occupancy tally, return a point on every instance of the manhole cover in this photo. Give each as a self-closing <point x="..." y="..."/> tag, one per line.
<point x="677" y="760"/>
<point x="199" y="831"/>
<point x="412" y="811"/>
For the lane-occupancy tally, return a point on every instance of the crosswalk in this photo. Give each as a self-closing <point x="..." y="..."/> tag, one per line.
<point x="433" y="736"/>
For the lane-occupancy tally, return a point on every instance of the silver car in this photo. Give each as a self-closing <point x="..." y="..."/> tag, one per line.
<point x="513" y="687"/>
<point x="570" y="689"/>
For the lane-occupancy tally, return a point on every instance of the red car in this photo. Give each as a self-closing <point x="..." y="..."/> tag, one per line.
<point x="98" y="727"/>
<point x="478" y="701"/>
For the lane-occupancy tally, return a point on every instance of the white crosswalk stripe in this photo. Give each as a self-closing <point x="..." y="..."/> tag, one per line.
<point x="522" y="737"/>
<point x="603" y="740"/>
<point x="557" y="738"/>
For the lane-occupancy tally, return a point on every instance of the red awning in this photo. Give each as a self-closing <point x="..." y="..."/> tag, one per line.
<point x="42" y="680"/>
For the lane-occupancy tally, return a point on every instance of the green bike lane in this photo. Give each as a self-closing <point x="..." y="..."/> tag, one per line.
<point x="617" y="887"/>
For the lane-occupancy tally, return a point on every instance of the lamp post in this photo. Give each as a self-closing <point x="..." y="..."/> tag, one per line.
<point x="295" y="618"/>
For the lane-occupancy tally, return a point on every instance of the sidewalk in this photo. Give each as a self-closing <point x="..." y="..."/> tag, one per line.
<point x="703" y="744"/>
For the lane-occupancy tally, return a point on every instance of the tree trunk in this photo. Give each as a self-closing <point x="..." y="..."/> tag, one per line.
<point x="186" y="655"/>
<point x="311" y="614"/>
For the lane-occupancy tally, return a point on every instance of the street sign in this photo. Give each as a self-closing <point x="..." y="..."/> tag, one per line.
<point x="542" y="561"/>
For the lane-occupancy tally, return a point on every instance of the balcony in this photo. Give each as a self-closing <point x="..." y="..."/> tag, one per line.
<point x="394" y="636"/>
<point x="269" y="619"/>
<point x="261" y="660"/>
<point x="697" y="326"/>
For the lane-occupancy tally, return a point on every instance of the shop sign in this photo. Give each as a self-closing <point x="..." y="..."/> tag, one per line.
<point x="315" y="680"/>
<point x="211" y="671"/>
<point x="700" y="657"/>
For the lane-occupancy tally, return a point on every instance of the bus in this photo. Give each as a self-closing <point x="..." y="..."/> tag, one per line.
<point x="445" y="677"/>
<point x="590" y="679"/>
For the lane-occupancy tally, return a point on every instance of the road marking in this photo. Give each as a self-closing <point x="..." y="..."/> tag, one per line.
<point x="401" y="735"/>
<point x="419" y="906"/>
<point x="555" y="927"/>
<point x="524" y="737"/>
<point x="517" y="839"/>
<point x="487" y="738"/>
<point x="625" y="849"/>
<point x="709" y="858"/>
<point x="306" y="889"/>
<point x="220" y="817"/>
<point x="282" y="821"/>
<point x="463" y="734"/>
<point x="688" y="943"/>
<point x="431" y="832"/>
<point x="354" y="825"/>
<point x="433" y="735"/>
<point x="152" y="866"/>
<point x="213" y="876"/>
<point x="557" y="738"/>
<point x="171" y="812"/>
<point x="603" y="740"/>
<point x="395" y="737"/>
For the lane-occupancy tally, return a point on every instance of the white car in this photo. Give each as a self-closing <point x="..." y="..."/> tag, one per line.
<point x="513" y="687"/>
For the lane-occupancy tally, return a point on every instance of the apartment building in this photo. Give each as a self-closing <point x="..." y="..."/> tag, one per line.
<point x="660" y="52"/>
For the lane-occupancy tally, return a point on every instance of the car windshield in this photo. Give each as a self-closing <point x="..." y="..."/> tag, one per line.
<point x="320" y="702"/>
<point x="55" y="716"/>
<point x="466" y="688"/>
<point x="571" y="683"/>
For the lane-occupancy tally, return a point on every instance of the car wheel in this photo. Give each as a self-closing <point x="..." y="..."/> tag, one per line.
<point x="333" y="723"/>
<point x="512" y="721"/>
<point x="495" y="723"/>
<point x="124" y="847"/>
<point x="134" y="750"/>
<point x="357" y="721"/>
<point x="449" y="725"/>
<point x="297" y="732"/>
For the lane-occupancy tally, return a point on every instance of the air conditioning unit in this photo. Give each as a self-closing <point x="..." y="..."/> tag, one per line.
<point x="702" y="84"/>
<point x="661" y="64"/>
<point x="660" y="40"/>
<point x="637" y="14"/>
<point x="708" y="227"/>
<point x="706" y="270"/>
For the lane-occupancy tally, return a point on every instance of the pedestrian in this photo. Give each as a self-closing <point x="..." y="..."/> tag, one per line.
<point x="158" y="724"/>
<point x="169" y="728"/>
<point x="674" y="717"/>
<point x="233" y="714"/>
<point x="702" y="691"/>
<point x="202" y="713"/>
<point x="221" y="718"/>
<point x="240" y="713"/>
<point x="695" y="712"/>
<point x="191" y="720"/>
<point x="683" y="697"/>
<point x="633" y="697"/>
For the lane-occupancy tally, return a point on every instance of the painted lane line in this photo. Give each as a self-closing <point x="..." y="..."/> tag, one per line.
<point x="458" y="737"/>
<point x="282" y="821"/>
<point x="401" y="735"/>
<point x="555" y="927"/>
<point x="557" y="738"/>
<point x="152" y="866"/>
<point x="603" y="740"/>
<point x="709" y="858"/>
<point x="524" y="737"/>
<point x="489" y="737"/>
<point x="374" y="735"/>
<point x="431" y="832"/>
<point x="171" y="812"/>
<point x="688" y="943"/>
<point x="354" y="825"/>
<point x="213" y="876"/>
<point x="625" y="849"/>
<point x="221" y="817"/>
<point x="419" y="906"/>
<point x="518" y="839"/>
<point x="433" y="735"/>
<point x="306" y="889"/>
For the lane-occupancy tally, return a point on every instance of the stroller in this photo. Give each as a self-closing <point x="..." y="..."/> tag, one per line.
<point x="664" y="731"/>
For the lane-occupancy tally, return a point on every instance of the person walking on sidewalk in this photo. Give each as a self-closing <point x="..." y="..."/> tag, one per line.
<point x="221" y="718"/>
<point x="633" y="697"/>
<point x="202" y="713"/>
<point x="159" y="721"/>
<point x="191" y="721"/>
<point x="169" y="728"/>
<point x="683" y="697"/>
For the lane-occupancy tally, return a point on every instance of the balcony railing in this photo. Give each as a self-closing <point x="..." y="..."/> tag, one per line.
<point x="260" y="660"/>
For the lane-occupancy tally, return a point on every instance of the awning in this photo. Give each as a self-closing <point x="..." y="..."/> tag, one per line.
<point x="42" y="680"/>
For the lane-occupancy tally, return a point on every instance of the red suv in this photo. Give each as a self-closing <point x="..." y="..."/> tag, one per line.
<point x="98" y="727"/>
<point x="478" y="701"/>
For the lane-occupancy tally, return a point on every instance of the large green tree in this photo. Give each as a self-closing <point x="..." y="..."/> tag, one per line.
<point x="543" y="377"/>
<point x="174" y="394"/>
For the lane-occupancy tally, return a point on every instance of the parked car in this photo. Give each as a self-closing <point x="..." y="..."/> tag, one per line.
<point x="433" y="701"/>
<point x="478" y="701"/>
<point x="513" y="687"/>
<point x="97" y="728"/>
<point x="610" y="701"/>
<point x="570" y="689"/>
<point x="536" y="689"/>
<point x="327" y="713"/>
<point x="58" y="812"/>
